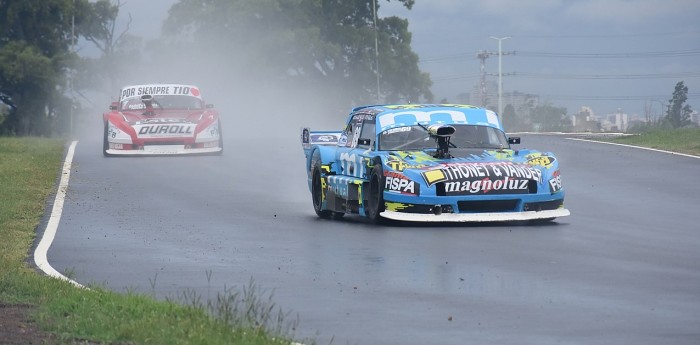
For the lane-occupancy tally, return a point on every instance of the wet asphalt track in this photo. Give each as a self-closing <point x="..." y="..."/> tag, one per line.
<point x="623" y="269"/>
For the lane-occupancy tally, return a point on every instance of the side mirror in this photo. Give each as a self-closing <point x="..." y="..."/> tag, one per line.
<point x="114" y="106"/>
<point x="514" y="140"/>
<point x="210" y="106"/>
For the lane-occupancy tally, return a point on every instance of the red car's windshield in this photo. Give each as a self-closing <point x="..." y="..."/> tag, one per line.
<point x="164" y="102"/>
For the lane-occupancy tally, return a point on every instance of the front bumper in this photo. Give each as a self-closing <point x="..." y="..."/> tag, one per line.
<point x="477" y="208"/>
<point x="154" y="150"/>
<point x="476" y="217"/>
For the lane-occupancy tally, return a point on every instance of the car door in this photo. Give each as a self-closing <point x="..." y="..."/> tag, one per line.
<point x="352" y="157"/>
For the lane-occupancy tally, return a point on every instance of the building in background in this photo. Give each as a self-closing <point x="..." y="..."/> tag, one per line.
<point x="487" y="97"/>
<point x="585" y="121"/>
<point x="616" y="122"/>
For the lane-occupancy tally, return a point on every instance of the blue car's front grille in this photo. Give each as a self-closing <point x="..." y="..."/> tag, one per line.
<point x="482" y="206"/>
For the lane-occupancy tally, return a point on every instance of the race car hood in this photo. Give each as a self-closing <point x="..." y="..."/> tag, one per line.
<point x="164" y="123"/>
<point x="163" y="116"/>
<point x="475" y="172"/>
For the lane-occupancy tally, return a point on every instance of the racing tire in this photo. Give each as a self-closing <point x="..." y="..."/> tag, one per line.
<point x="375" y="198"/>
<point x="317" y="194"/>
<point x="105" y="143"/>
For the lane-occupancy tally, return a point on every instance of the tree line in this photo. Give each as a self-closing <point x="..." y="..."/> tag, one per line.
<point x="326" y="46"/>
<point x="322" y="50"/>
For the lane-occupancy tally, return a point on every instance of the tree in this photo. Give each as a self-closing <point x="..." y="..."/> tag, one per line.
<point x="511" y="121"/>
<point x="116" y="47"/>
<point x="35" y="38"/>
<point x="547" y="118"/>
<point x="678" y="114"/>
<point x="324" y="45"/>
<point x="26" y="77"/>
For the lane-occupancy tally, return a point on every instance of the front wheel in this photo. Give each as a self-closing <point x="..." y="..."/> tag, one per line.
<point x="375" y="199"/>
<point x="105" y="142"/>
<point x="221" y="140"/>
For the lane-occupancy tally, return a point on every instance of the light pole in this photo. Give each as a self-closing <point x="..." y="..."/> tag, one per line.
<point x="500" y="74"/>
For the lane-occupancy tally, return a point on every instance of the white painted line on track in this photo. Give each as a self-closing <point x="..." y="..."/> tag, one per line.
<point x="42" y="249"/>
<point x="636" y="147"/>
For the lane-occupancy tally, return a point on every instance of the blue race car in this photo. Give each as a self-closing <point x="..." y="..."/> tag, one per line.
<point x="429" y="163"/>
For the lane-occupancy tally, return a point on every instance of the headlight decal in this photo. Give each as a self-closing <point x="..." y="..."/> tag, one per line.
<point x="210" y="133"/>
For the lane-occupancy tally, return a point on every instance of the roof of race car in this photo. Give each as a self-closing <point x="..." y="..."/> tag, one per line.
<point x="399" y="115"/>
<point x="158" y="89"/>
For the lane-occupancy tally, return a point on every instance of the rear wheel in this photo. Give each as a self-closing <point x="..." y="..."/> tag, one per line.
<point x="375" y="199"/>
<point x="317" y="192"/>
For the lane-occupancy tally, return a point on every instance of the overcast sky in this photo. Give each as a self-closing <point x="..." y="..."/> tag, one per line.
<point x="606" y="54"/>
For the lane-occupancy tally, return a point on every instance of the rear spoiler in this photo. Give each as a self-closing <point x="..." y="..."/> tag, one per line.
<point x="326" y="138"/>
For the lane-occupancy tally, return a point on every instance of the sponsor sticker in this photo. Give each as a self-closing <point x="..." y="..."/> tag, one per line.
<point x="398" y="130"/>
<point x="555" y="182"/>
<point x="162" y="130"/>
<point x="398" y="164"/>
<point x="506" y="185"/>
<point x="538" y="159"/>
<point x="395" y="182"/>
<point x="482" y="178"/>
<point x="157" y="89"/>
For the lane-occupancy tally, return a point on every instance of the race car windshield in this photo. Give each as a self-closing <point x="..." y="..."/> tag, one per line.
<point x="466" y="136"/>
<point x="164" y="102"/>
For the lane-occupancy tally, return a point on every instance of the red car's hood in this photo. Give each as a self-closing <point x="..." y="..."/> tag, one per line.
<point x="164" y="116"/>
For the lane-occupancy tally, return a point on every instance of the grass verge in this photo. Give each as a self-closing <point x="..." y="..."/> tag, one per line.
<point x="683" y="140"/>
<point x="28" y="168"/>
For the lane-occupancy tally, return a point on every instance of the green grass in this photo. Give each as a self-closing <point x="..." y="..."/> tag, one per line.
<point x="28" y="172"/>
<point x="683" y="140"/>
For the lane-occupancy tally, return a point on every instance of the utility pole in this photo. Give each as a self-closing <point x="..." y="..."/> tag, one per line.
<point x="376" y="46"/>
<point x="482" y="56"/>
<point x="500" y="74"/>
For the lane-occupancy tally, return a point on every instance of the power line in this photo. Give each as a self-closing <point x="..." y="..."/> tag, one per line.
<point x="611" y="98"/>
<point x="457" y="77"/>
<point x="655" y="54"/>
<point x="443" y="41"/>
<point x="692" y="74"/>
<point x="447" y="58"/>
<point x="530" y="75"/>
<point x="624" y="55"/>
<point x="649" y="34"/>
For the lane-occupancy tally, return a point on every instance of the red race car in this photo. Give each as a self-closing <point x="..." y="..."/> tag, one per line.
<point x="161" y="119"/>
